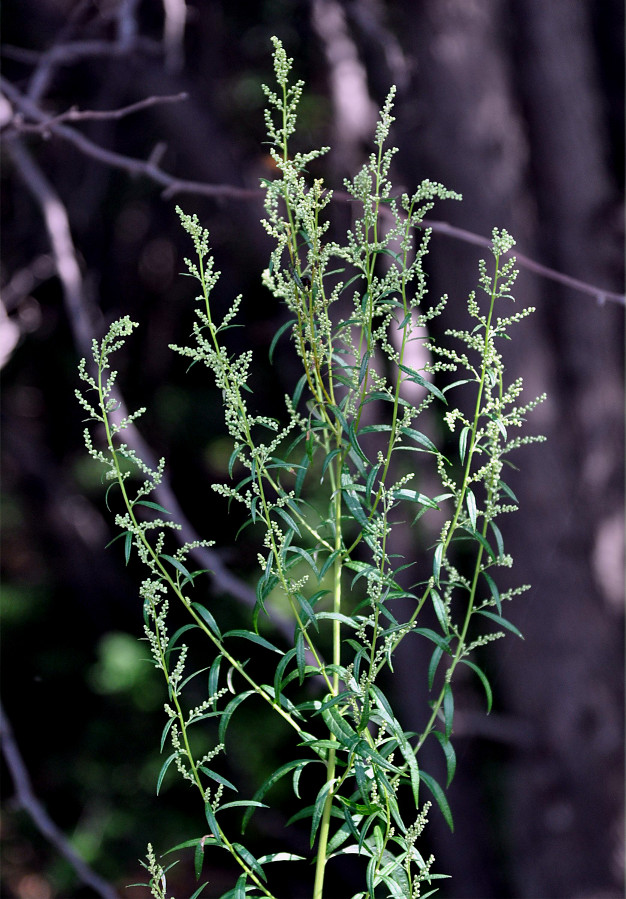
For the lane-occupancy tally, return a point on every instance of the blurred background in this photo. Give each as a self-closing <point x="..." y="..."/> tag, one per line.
<point x="518" y="105"/>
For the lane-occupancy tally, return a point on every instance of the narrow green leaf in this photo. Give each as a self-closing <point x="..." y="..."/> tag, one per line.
<point x="413" y="496"/>
<point x="150" y="505"/>
<point x="437" y="559"/>
<point x="448" y="708"/>
<point x="197" y="892"/>
<point x="465" y="432"/>
<point x="440" y="798"/>
<point x="254" y="638"/>
<point x="181" y="630"/>
<point x="494" y="591"/>
<point x="508" y="491"/>
<point x="503" y="622"/>
<point x="128" y="545"/>
<point x="298" y="391"/>
<point x="278" y="335"/>
<point x="354" y="443"/>
<point x="440" y="610"/>
<point x="414" y="376"/>
<point x="168" y="761"/>
<point x="420" y="438"/>
<point x="332" y="558"/>
<point x="250" y="860"/>
<point x="433" y="665"/>
<point x="300" y="655"/>
<point x="218" y="778"/>
<point x="470" y="500"/>
<point x="198" y="858"/>
<point x="449" y="753"/>
<point x="318" y="808"/>
<point x="207" y="618"/>
<point x="165" y="732"/>
<point x="228" y="712"/>
<point x="178" y="565"/>
<point x="484" y="681"/>
<point x="212" y="822"/>
<point x="214" y="676"/>
<point x="240" y="887"/>
<point x="476" y="535"/>
<point x="233" y="457"/>
<point x="498" y="535"/>
<point x="444" y="643"/>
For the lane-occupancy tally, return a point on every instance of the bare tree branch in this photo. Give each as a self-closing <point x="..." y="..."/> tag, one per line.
<point x="150" y="169"/>
<point x="526" y="262"/>
<point x="26" y="799"/>
<point x="89" y="115"/>
<point x="83" y="323"/>
<point x="117" y="160"/>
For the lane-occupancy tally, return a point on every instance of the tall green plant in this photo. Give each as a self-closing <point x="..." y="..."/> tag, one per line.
<point x="325" y="488"/>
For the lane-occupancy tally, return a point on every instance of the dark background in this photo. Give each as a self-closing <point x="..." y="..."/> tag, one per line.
<point x="517" y="104"/>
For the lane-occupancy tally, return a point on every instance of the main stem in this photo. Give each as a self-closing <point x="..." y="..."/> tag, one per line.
<point x="320" y="865"/>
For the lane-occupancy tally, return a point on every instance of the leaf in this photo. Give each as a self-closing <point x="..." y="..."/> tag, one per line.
<point x="178" y="565"/>
<point x="435" y="637"/>
<point x="168" y="761"/>
<point x="494" y="591"/>
<point x="466" y="431"/>
<point x="280" y="857"/>
<point x="413" y="496"/>
<point x="207" y="618"/>
<point x="318" y="808"/>
<point x="278" y="335"/>
<point x="351" y="498"/>
<point x="450" y="754"/>
<point x="254" y="638"/>
<point x="440" y="610"/>
<point x="483" y="679"/>
<point x="498" y="535"/>
<point x="198" y="858"/>
<point x="218" y="778"/>
<point x="414" y="376"/>
<point x="470" y="500"/>
<point x="214" y="675"/>
<point x="508" y="491"/>
<point x="420" y="438"/>
<point x="181" y="630"/>
<point x="501" y="621"/>
<point x="228" y="712"/>
<point x="433" y="665"/>
<point x="481" y="539"/>
<point x="150" y="505"/>
<point x="165" y="732"/>
<point x="240" y="887"/>
<point x="250" y="860"/>
<point x="437" y="559"/>
<point x="448" y="708"/>
<point x="233" y="456"/>
<point x="288" y="520"/>
<point x="197" y="892"/>
<point x="212" y="822"/>
<point x="128" y="544"/>
<point x="354" y="443"/>
<point x="300" y="655"/>
<point x="268" y="783"/>
<point x="440" y="798"/>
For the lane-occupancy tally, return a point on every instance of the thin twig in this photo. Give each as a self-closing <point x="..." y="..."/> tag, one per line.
<point x="90" y="115"/>
<point x="26" y="799"/>
<point x="175" y="186"/>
